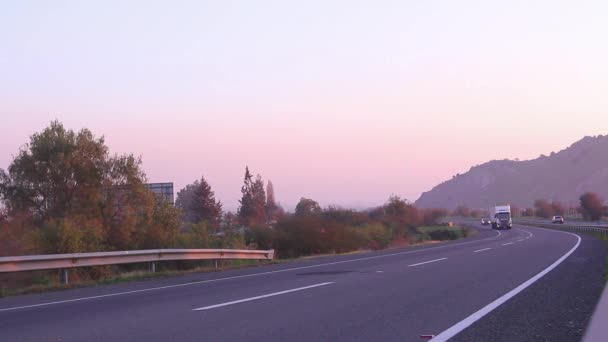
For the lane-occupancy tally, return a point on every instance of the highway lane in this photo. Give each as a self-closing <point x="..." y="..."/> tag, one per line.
<point x="393" y="295"/>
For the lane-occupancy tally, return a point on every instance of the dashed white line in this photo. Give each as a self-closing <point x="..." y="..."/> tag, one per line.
<point x="426" y="262"/>
<point x="241" y="276"/>
<point x="259" y="297"/>
<point x="508" y="243"/>
<point x="481" y="250"/>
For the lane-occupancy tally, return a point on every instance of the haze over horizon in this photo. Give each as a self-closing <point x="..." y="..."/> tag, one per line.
<point x="325" y="107"/>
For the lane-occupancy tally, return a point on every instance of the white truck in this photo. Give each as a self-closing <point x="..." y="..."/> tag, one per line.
<point x="501" y="217"/>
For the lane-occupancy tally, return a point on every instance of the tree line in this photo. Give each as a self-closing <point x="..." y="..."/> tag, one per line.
<point x="64" y="192"/>
<point x="591" y="208"/>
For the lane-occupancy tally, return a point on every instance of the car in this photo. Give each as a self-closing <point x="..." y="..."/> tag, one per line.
<point x="557" y="219"/>
<point x="485" y="221"/>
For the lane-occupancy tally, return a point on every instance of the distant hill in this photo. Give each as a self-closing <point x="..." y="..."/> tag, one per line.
<point x="562" y="176"/>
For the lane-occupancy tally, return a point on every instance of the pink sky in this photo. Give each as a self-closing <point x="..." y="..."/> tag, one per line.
<point x="346" y="104"/>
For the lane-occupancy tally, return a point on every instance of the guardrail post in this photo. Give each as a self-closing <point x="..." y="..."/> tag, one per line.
<point x="153" y="267"/>
<point x="216" y="264"/>
<point x="63" y="274"/>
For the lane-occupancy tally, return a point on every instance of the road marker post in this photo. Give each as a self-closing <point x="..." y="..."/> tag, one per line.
<point x="64" y="276"/>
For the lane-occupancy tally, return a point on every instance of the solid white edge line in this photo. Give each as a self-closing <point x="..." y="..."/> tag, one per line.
<point x="508" y="243"/>
<point x="481" y="250"/>
<point x="241" y="276"/>
<point x="260" y="297"/>
<point x="426" y="262"/>
<point x="465" y="323"/>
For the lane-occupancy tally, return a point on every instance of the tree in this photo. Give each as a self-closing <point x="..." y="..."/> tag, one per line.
<point x="75" y="196"/>
<point x="273" y="210"/>
<point x="229" y="221"/>
<point x="399" y="213"/>
<point x="591" y="206"/>
<point x="259" y="201"/>
<point x="270" y="200"/>
<point x="307" y="207"/>
<point x="198" y="203"/>
<point x="543" y="208"/>
<point x="432" y="216"/>
<point x="246" y="210"/>
<point x="528" y="212"/>
<point x="475" y="213"/>
<point x="58" y="171"/>
<point x="462" y="211"/>
<point x="557" y="208"/>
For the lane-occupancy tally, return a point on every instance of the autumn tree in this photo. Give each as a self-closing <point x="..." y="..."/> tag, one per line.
<point x="528" y="212"/>
<point x="198" y="203"/>
<point x="462" y="211"/>
<point x="399" y="212"/>
<point x="591" y="206"/>
<point x="432" y="216"/>
<point x="543" y="208"/>
<point x="58" y="171"/>
<point x="77" y="196"/>
<point x="557" y="208"/>
<point x="475" y="213"/>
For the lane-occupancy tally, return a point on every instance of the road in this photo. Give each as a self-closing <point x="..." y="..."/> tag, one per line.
<point x="392" y="295"/>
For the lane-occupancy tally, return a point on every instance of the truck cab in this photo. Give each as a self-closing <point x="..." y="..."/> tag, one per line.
<point x="502" y="217"/>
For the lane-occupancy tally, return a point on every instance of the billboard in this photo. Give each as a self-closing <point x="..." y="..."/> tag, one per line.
<point x="162" y="190"/>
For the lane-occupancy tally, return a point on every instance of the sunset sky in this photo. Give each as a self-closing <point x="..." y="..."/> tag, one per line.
<point x="345" y="102"/>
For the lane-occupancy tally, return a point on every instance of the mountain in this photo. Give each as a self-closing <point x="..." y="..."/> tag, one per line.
<point x="561" y="176"/>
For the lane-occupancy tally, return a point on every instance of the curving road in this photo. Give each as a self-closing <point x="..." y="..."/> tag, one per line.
<point x="478" y="289"/>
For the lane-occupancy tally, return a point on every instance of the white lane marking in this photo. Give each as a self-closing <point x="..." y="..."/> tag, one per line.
<point x="481" y="250"/>
<point x="379" y="271"/>
<point x="460" y="326"/>
<point x="527" y="232"/>
<point x="508" y="243"/>
<point x="520" y="240"/>
<point x="260" y="297"/>
<point x="242" y="276"/>
<point x="426" y="262"/>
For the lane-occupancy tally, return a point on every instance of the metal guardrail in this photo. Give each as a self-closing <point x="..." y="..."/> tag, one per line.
<point x="567" y="226"/>
<point x="597" y="331"/>
<point x="66" y="261"/>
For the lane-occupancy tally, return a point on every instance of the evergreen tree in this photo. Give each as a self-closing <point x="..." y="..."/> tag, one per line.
<point x="273" y="210"/>
<point x="246" y="210"/>
<point x="270" y="200"/>
<point x="259" y="201"/>
<point x="198" y="203"/>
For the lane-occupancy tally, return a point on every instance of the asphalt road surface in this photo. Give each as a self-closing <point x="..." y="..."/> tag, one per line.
<point x="524" y="284"/>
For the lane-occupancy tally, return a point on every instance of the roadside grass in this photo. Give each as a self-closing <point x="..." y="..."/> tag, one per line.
<point x="47" y="281"/>
<point x="442" y="233"/>
<point x="53" y="283"/>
